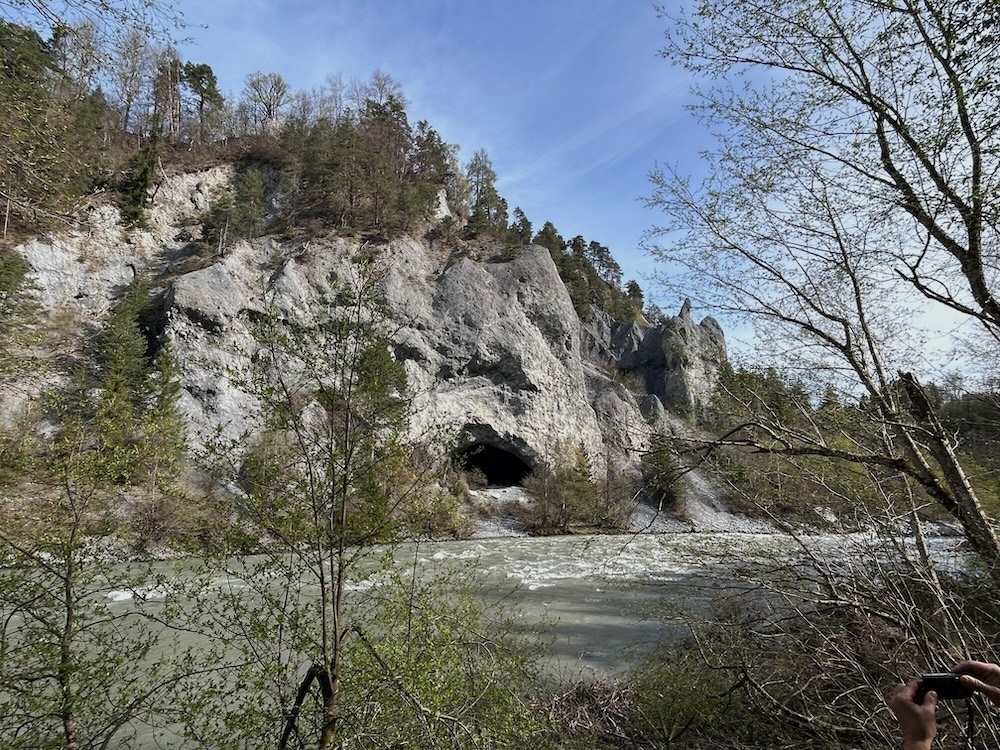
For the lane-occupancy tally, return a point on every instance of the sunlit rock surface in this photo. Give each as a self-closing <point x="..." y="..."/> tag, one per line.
<point x="495" y="354"/>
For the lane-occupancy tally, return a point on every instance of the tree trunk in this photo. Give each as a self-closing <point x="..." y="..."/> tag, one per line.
<point x="960" y="499"/>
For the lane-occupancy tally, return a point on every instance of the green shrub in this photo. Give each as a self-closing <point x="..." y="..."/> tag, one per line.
<point x="662" y="477"/>
<point x="677" y="695"/>
<point x="565" y="496"/>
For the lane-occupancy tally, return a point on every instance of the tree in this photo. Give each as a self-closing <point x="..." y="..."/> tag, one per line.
<point x="201" y="80"/>
<point x="50" y="132"/>
<point x="17" y="308"/>
<point x="388" y="147"/>
<point x="130" y="67"/>
<point x="634" y="293"/>
<point x="266" y="96"/>
<point x="29" y="144"/>
<point x="330" y="104"/>
<point x="18" y="315"/>
<point x="549" y="237"/>
<point x="856" y="166"/>
<point x="331" y="427"/>
<point x="600" y="258"/>
<point x="379" y="87"/>
<point x="110" y="425"/>
<point x="153" y="16"/>
<point x="457" y="187"/>
<point x="239" y="214"/>
<point x="565" y="495"/>
<point x="76" y="52"/>
<point x="520" y="227"/>
<point x="137" y="181"/>
<point x="382" y="87"/>
<point x="167" y="94"/>
<point x="489" y="210"/>
<point x="430" y="155"/>
<point x="61" y="633"/>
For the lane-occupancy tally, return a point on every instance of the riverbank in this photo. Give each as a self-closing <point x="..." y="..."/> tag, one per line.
<point x="493" y="513"/>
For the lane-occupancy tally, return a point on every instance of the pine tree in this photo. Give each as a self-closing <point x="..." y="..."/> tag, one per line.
<point x="489" y="210"/>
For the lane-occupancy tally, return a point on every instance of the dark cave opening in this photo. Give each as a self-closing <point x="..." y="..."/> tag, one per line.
<point x="501" y="468"/>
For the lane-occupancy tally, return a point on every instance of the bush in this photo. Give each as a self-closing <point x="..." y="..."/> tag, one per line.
<point x="676" y="695"/>
<point x="566" y="496"/>
<point x="806" y="650"/>
<point x="662" y="477"/>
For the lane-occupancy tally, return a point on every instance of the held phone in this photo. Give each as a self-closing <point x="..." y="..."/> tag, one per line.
<point x="945" y="684"/>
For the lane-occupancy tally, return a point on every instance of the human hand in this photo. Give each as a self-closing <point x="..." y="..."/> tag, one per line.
<point x="980" y="677"/>
<point x="916" y="714"/>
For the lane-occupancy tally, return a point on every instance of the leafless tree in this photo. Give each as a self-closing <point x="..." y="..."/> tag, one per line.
<point x="855" y="176"/>
<point x="266" y="96"/>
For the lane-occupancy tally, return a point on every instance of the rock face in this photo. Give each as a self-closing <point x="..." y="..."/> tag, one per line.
<point x="494" y="352"/>
<point x="678" y="362"/>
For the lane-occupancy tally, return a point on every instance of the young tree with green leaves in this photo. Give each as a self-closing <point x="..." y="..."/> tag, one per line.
<point x="18" y="318"/>
<point x="78" y="669"/>
<point x="39" y="169"/>
<point x="565" y="495"/>
<point x="111" y="429"/>
<point x="329" y="644"/>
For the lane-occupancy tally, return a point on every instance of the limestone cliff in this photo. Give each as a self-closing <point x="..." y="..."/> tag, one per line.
<point x="678" y="362"/>
<point x="493" y="349"/>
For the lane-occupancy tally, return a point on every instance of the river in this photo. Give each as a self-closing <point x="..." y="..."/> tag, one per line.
<point x="604" y="600"/>
<point x="601" y="601"/>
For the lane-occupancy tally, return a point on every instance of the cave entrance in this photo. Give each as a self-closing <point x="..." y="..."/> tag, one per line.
<point x="502" y="468"/>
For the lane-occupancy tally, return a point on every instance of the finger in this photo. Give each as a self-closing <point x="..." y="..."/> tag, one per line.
<point x="900" y="696"/>
<point x="983" y="688"/>
<point x="908" y="690"/>
<point x="986" y="672"/>
<point x="930" y="700"/>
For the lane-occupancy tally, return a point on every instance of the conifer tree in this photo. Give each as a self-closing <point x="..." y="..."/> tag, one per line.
<point x="489" y="210"/>
<point x="201" y="80"/>
<point x="520" y="228"/>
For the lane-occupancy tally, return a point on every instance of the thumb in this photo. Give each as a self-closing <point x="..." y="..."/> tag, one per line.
<point x="931" y="700"/>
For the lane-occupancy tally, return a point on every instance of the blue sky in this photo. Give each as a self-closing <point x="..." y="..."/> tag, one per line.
<point x="569" y="97"/>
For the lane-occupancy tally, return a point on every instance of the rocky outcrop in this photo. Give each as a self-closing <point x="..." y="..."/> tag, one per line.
<point x="84" y="269"/>
<point x="678" y="362"/>
<point x="494" y="352"/>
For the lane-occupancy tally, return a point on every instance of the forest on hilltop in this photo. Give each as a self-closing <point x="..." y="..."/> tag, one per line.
<point x="91" y="117"/>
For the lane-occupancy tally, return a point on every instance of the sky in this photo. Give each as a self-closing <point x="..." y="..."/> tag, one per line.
<point x="569" y="98"/>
